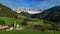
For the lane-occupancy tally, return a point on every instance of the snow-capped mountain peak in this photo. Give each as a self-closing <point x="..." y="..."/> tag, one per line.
<point x="30" y="11"/>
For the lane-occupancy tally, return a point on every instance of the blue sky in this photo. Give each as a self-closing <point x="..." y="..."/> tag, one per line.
<point x="41" y="4"/>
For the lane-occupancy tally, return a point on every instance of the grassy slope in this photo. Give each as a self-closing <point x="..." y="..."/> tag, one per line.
<point x="29" y="31"/>
<point x="19" y="21"/>
<point x="25" y="31"/>
<point x="8" y="21"/>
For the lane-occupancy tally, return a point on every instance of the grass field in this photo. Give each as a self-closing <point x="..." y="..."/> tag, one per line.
<point x="8" y="21"/>
<point x="29" y="31"/>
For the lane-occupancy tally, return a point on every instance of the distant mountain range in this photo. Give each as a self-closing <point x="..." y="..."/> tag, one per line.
<point x="29" y="11"/>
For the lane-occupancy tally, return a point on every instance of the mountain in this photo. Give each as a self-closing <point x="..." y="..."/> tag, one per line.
<point x="51" y="14"/>
<point x="28" y="15"/>
<point x="5" y="11"/>
<point x="30" y="11"/>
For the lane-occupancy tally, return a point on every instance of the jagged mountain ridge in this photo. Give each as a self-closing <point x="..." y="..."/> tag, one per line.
<point x="30" y="11"/>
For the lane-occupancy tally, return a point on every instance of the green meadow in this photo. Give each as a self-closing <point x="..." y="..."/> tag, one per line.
<point x="8" y="21"/>
<point x="29" y="31"/>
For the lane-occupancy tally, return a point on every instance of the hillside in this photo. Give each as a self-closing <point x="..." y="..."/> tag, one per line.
<point x="52" y="14"/>
<point x="5" y="11"/>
